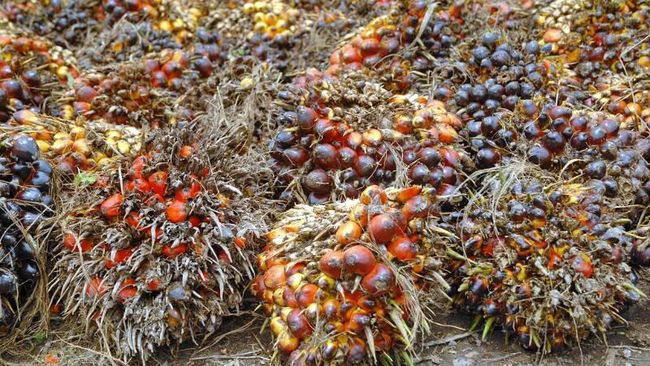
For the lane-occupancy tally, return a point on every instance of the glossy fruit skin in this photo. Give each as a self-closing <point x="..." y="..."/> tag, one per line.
<point x="383" y="228"/>
<point x="359" y="260"/>
<point x="111" y="207"/>
<point x="332" y="263"/>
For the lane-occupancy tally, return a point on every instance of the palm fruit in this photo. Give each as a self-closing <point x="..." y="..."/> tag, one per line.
<point x="157" y="252"/>
<point x="273" y="18"/>
<point x="74" y="147"/>
<point x="603" y="46"/>
<point x="377" y="47"/>
<point x="132" y="95"/>
<point x="25" y="181"/>
<point x="542" y="258"/>
<point x="31" y="70"/>
<point x="341" y="135"/>
<point x="339" y="282"/>
<point x="64" y="23"/>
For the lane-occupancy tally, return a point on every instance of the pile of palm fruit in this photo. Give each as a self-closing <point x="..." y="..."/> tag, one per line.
<point x="352" y="164"/>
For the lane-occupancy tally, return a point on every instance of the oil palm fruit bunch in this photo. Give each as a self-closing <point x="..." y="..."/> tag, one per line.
<point x="340" y="282"/>
<point x="164" y="243"/>
<point x="341" y="135"/>
<point x="510" y="83"/>
<point x="603" y="45"/>
<point x="72" y="147"/>
<point x="30" y="71"/>
<point x="542" y="258"/>
<point x="25" y="182"/>
<point x="136" y="94"/>
<point x="380" y="46"/>
<point x="596" y="145"/>
<point x="64" y="23"/>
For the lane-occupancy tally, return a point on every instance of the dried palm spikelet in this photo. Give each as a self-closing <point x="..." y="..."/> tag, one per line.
<point x="544" y="259"/>
<point x="350" y="282"/>
<point x="158" y="249"/>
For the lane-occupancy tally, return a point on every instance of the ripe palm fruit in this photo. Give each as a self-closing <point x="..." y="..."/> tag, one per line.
<point x="25" y="182"/>
<point x="165" y="244"/>
<point x="377" y="46"/>
<point x="544" y="260"/>
<point x="130" y="94"/>
<point x="600" y="44"/>
<point x="337" y="280"/>
<point x="333" y="143"/>
<point x="31" y="70"/>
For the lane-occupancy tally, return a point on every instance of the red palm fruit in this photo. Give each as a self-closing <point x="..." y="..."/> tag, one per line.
<point x="348" y="233"/>
<point x="289" y="298"/>
<point x="158" y="182"/>
<point x="110" y="208"/>
<point x="287" y="343"/>
<point x="86" y="94"/>
<point x="373" y="194"/>
<point x="154" y="285"/>
<point x="137" y="167"/>
<point x="95" y="287"/>
<point x="582" y="264"/>
<point x="171" y="252"/>
<point x="403" y="248"/>
<point x="306" y="118"/>
<point x="306" y="295"/>
<point x="351" y="54"/>
<point x="446" y="134"/>
<point x="185" y="151"/>
<point x="359" y="319"/>
<point x="383" y="228"/>
<point x="257" y="286"/>
<point x="186" y="193"/>
<point x="325" y="156"/>
<point x="354" y="140"/>
<point x="332" y="263"/>
<point x="298" y="324"/>
<point x="326" y="130"/>
<point x="331" y="308"/>
<point x="383" y="341"/>
<point x="139" y="184"/>
<point x="406" y="194"/>
<point x="274" y="277"/>
<point x="127" y="290"/>
<point x="133" y="219"/>
<point x="418" y="206"/>
<point x="176" y="212"/>
<point x="359" y="214"/>
<point x="120" y="256"/>
<point x="358" y="260"/>
<point x="70" y="243"/>
<point x="379" y="280"/>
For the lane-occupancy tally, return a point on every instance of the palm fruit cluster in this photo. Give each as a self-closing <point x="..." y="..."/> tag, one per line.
<point x="335" y="143"/>
<point x="545" y="259"/>
<point x="73" y="147"/>
<point x="25" y="181"/>
<point x="603" y="46"/>
<point x="165" y="243"/>
<point x="339" y="282"/>
<point x="381" y="47"/>
<point x="31" y="70"/>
